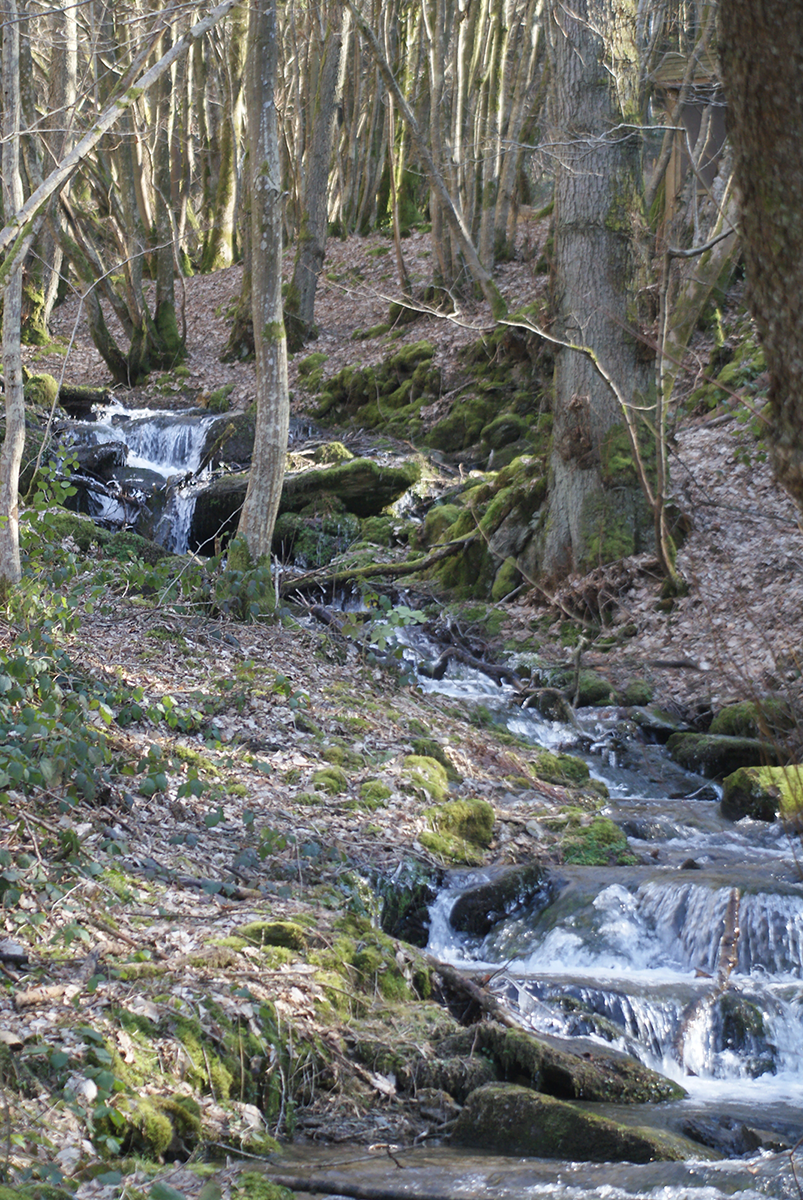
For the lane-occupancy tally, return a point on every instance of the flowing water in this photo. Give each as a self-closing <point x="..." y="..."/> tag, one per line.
<point x="691" y="960"/>
<point x="159" y="466"/>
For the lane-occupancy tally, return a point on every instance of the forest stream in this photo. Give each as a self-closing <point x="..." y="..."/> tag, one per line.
<point x="690" y="960"/>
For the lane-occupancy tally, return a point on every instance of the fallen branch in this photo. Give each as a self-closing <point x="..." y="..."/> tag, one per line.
<point x="325" y="578"/>
<point x="480" y="996"/>
<point x="437" y="670"/>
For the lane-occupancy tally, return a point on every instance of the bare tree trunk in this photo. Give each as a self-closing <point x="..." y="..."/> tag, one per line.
<point x="273" y="409"/>
<point x="220" y="245"/>
<point x="14" y="441"/>
<point x="596" y="510"/>
<point x="299" y="309"/>
<point x="762" y="59"/>
<point x="454" y="217"/>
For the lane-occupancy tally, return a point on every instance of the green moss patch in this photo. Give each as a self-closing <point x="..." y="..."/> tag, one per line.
<point x="600" y="843"/>
<point x="275" y="933"/>
<point x="428" y="774"/>
<point x="332" y="779"/>
<point x="562" y="769"/>
<point x="460" y="831"/>
<point x="764" y="793"/>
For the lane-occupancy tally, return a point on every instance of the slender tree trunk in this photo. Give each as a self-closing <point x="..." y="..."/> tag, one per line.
<point x="453" y="215"/>
<point x="220" y="246"/>
<point x="299" y="310"/>
<point x="762" y="59"/>
<point x="14" y="441"/>
<point x="273" y="410"/>
<point x="596" y="509"/>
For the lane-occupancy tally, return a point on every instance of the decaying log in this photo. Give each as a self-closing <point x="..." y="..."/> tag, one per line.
<point x="326" y="578"/>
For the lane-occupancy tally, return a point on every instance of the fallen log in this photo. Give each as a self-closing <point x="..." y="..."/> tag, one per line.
<point x="325" y="577"/>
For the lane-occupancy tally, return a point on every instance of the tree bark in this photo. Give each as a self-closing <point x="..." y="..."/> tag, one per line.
<point x="219" y="249"/>
<point x="137" y="81"/>
<point x="299" y="310"/>
<point x="273" y="406"/>
<point x="14" y="441"/>
<point x="762" y="61"/>
<point x="596" y="510"/>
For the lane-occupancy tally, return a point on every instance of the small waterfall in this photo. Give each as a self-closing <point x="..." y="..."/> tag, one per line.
<point x="173" y="527"/>
<point x="167" y="442"/>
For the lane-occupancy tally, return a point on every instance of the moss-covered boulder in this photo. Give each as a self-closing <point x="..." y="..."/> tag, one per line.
<point x="459" y="831"/>
<point x="715" y="756"/>
<point x="288" y="934"/>
<point x="605" y="1076"/>
<point x="363" y="486"/>
<point x="593" y="691"/>
<point x="331" y="452"/>
<point x="507" y="1119"/>
<point x="41" y="391"/>
<point x="638" y="693"/>
<point x="429" y="748"/>
<point x="458" y="1076"/>
<point x="360" y="487"/>
<point x="764" y="719"/>
<point x="428" y="774"/>
<point x="563" y="769"/>
<point x="597" y="842"/>
<point x="515" y="890"/>
<point x="763" y="793"/>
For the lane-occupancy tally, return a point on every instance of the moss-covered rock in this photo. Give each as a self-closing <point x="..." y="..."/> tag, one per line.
<point x="604" y="1076"/>
<point x="438" y="522"/>
<point x="506" y="580"/>
<point x="230" y="440"/>
<point x="147" y="1130"/>
<point x="41" y="391"/>
<point x="599" y="843"/>
<point x="331" y="452"/>
<point x="460" y="831"/>
<point x="764" y="719"/>
<point x="763" y="793"/>
<point x="507" y="1119"/>
<point x="275" y="933"/>
<point x="427" y="773"/>
<point x="517" y="890"/>
<point x="715" y="756"/>
<point x="594" y="690"/>
<point x="638" y="693"/>
<point x="429" y="748"/>
<point x="564" y="769"/>
<point x="374" y="792"/>
<point x="332" y="779"/>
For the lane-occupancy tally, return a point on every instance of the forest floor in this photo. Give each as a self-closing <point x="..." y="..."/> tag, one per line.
<point x="285" y="702"/>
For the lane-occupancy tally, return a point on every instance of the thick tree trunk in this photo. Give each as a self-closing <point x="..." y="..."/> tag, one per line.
<point x="596" y="510"/>
<point x="762" y="60"/>
<point x="273" y="409"/>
